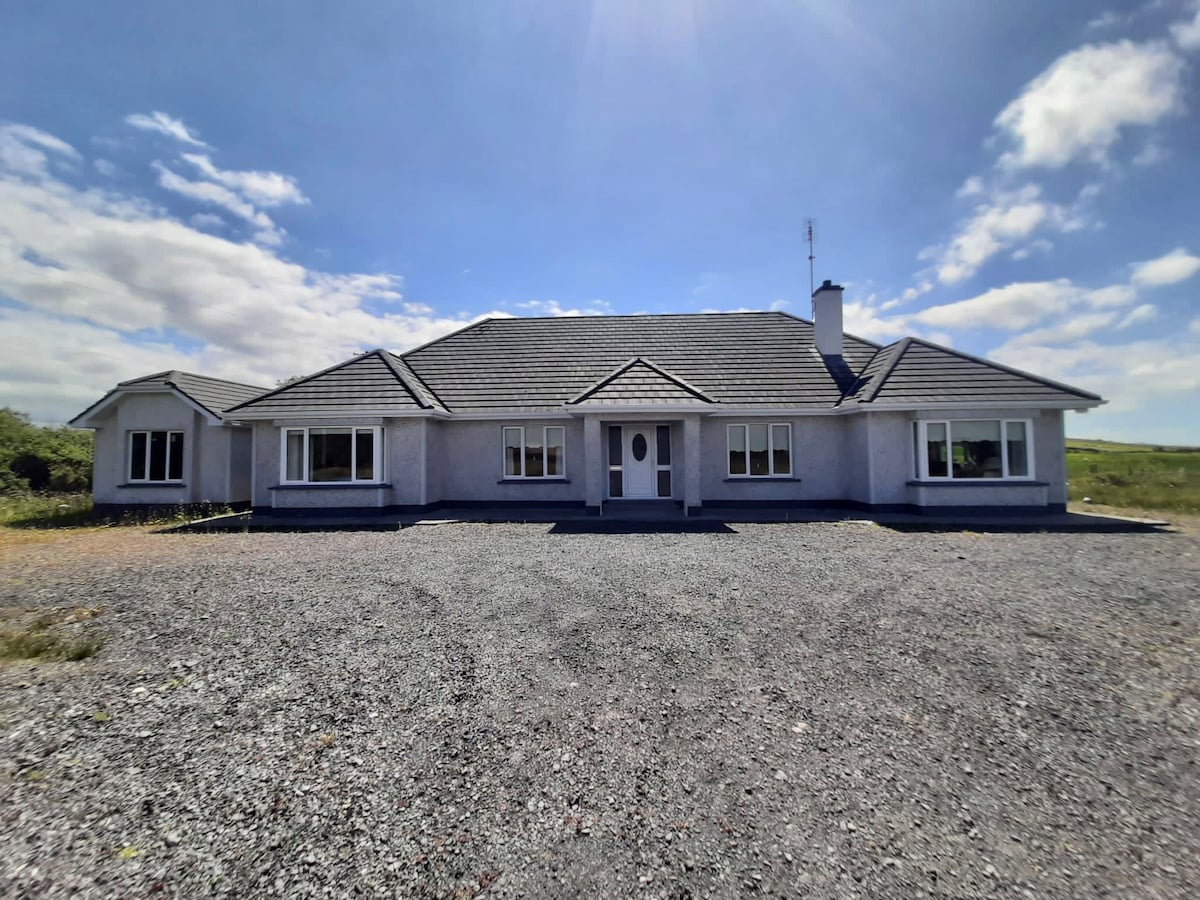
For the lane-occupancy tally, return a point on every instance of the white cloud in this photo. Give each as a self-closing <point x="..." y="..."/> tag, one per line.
<point x="164" y="124"/>
<point x="1176" y="266"/>
<point x="1013" y="307"/>
<point x="116" y="283"/>
<point x="1022" y="305"/>
<point x="261" y="188"/>
<point x="23" y="149"/>
<point x="1187" y="34"/>
<point x="1104" y="21"/>
<point x="1144" y="313"/>
<point x="105" y="167"/>
<point x="1006" y="217"/>
<point x="863" y="319"/>
<point x="1039" y="246"/>
<point x="1072" y="328"/>
<point x="1150" y="375"/>
<point x="266" y="232"/>
<point x="1113" y="295"/>
<point x="552" y="308"/>
<point x="1150" y="154"/>
<point x="206" y="221"/>
<point x="1078" y="107"/>
<point x="972" y="187"/>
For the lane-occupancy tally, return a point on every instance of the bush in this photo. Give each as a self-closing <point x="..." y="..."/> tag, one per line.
<point x="36" y="458"/>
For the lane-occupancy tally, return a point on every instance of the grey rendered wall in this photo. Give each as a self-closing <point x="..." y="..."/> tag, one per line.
<point x="144" y="412"/>
<point x="856" y="459"/>
<point x="890" y="446"/>
<point x="818" y="460"/>
<point x="266" y="463"/>
<point x="434" y="462"/>
<point x="210" y="463"/>
<point x="471" y="458"/>
<point x="241" y="459"/>
<point x="1050" y="452"/>
<point x="404" y="441"/>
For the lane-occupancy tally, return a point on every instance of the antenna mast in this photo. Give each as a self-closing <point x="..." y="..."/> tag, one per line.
<point x="809" y="226"/>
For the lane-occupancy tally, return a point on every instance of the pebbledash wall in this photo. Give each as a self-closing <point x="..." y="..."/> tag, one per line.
<point x="863" y="459"/>
<point x="216" y="458"/>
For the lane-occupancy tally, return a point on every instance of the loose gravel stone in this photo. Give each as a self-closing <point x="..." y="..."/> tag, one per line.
<point x="830" y="710"/>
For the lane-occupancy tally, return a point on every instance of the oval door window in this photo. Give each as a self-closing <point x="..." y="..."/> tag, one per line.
<point x="639" y="447"/>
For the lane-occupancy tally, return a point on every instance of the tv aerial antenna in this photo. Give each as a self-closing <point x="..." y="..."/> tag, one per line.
<point x="810" y="234"/>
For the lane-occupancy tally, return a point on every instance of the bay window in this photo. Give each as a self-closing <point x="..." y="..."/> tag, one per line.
<point x="535" y="451"/>
<point x="973" y="449"/>
<point x="155" y="456"/>
<point x="760" y="450"/>
<point x="332" y="455"/>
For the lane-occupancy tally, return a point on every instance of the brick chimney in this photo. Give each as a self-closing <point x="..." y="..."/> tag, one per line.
<point x="827" y="318"/>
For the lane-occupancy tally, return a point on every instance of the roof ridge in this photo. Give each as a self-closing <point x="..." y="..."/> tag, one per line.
<point x="245" y="384"/>
<point x="417" y="395"/>
<point x="898" y="348"/>
<point x="861" y="340"/>
<point x="418" y="381"/>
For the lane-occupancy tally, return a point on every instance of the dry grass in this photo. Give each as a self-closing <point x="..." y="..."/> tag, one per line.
<point x="58" y="634"/>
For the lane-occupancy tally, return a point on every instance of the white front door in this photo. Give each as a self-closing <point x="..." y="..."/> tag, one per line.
<point x="638" y="462"/>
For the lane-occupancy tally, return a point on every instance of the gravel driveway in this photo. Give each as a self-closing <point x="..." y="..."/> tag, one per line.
<point x="502" y="710"/>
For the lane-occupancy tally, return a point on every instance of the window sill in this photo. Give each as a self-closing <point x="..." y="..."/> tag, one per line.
<point x="977" y="482"/>
<point x="552" y="480"/>
<point x="756" y="478"/>
<point x="152" y="484"/>
<point x="329" y="486"/>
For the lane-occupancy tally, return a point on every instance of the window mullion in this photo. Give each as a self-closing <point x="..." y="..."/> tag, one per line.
<point x="1004" y="448"/>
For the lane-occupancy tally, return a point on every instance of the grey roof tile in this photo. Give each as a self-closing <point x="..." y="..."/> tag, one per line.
<point x="640" y="382"/>
<point x="214" y="394"/>
<point x="764" y="359"/>
<point x="913" y="371"/>
<point x="372" y="381"/>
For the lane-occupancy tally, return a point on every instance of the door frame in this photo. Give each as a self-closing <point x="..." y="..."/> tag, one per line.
<point x="651" y="430"/>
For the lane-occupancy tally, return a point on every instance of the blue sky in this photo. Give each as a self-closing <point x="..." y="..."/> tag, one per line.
<point x="261" y="190"/>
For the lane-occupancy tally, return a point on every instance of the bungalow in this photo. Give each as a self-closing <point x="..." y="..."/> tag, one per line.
<point x="704" y="410"/>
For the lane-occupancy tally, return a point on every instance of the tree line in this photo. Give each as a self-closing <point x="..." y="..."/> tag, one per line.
<point x="37" y="458"/>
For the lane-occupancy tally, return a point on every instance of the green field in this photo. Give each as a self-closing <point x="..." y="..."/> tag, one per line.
<point x="1134" y="476"/>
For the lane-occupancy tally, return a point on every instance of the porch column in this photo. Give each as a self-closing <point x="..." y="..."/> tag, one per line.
<point x="691" y="464"/>
<point x="593" y="465"/>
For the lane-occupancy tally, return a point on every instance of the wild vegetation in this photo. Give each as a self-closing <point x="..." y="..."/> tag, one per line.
<point x="36" y="459"/>
<point x="1134" y="476"/>
<point x="62" y="634"/>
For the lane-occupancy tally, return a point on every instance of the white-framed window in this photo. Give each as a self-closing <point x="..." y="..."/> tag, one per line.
<point x="535" y="451"/>
<point x="155" y="456"/>
<point x="760" y="450"/>
<point x="339" y="454"/>
<point x="973" y="449"/>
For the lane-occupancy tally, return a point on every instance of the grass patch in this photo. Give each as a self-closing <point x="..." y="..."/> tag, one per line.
<point x="38" y="511"/>
<point x="55" y="635"/>
<point x="1134" y="476"/>
<point x="46" y="511"/>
